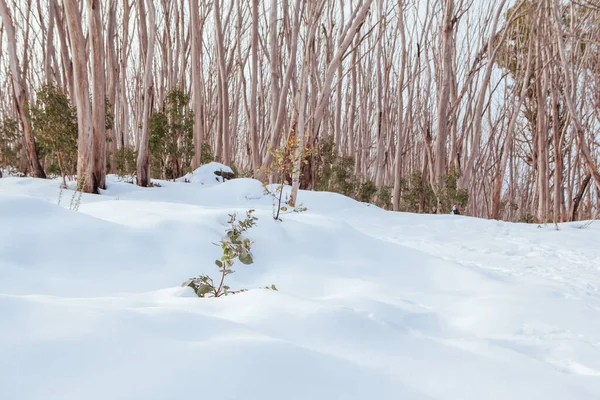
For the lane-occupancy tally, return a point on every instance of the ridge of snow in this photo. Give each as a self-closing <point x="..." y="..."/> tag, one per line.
<point x="371" y="304"/>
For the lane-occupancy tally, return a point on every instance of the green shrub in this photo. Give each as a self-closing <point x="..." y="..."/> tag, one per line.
<point x="335" y="173"/>
<point x="366" y="191"/>
<point x="451" y="194"/>
<point x="417" y="195"/>
<point x="126" y="163"/>
<point x="54" y="122"/>
<point x="234" y="247"/>
<point x="171" y="138"/>
<point x="11" y="143"/>
<point x="384" y="197"/>
<point x="206" y="154"/>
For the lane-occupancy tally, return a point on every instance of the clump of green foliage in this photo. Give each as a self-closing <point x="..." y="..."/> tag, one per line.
<point x="11" y="143"/>
<point x="335" y="173"/>
<point x="54" y="122"/>
<point x="417" y="194"/>
<point x="206" y="154"/>
<point x="452" y="194"/>
<point x="126" y="163"/>
<point x="171" y="137"/>
<point x="235" y="246"/>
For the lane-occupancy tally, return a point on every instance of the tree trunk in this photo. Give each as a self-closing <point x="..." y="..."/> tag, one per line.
<point x="400" y="127"/>
<point x="221" y="54"/>
<point x="85" y="145"/>
<point x="254" y="150"/>
<point x="98" y="85"/>
<point x="443" y="98"/>
<point x="197" y="82"/>
<point x="143" y="161"/>
<point x="113" y="78"/>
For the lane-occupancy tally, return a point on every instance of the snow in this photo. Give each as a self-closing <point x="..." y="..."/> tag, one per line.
<point x="205" y="174"/>
<point x="371" y="304"/>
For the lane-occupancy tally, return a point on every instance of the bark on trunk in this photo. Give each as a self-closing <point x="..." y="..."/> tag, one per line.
<point x="85" y="145"/>
<point x="143" y="161"/>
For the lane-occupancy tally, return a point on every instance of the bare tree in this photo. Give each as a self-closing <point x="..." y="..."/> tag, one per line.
<point x="147" y="40"/>
<point x="85" y="143"/>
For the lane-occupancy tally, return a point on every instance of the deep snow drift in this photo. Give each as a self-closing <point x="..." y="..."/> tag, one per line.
<point x="371" y="304"/>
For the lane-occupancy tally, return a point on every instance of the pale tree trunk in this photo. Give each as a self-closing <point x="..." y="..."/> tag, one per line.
<point x="197" y="82"/>
<point x="339" y="90"/>
<point x="558" y="158"/>
<point x="542" y="134"/>
<point x="221" y="54"/>
<point x="50" y="52"/>
<point x="85" y="145"/>
<point x="253" y="91"/>
<point x="381" y="123"/>
<point x="274" y="65"/>
<point x="443" y="97"/>
<point x="112" y="79"/>
<point x="143" y="161"/>
<point x="20" y="93"/>
<point x="302" y="105"/>
<point x="400" y="127"/>
<point x="98" y="86"/>
<point x="124" y="105"/>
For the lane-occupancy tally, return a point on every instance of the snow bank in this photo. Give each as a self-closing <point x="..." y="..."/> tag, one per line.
<point x="205" y="174"/>
<point x="371" y="304"/>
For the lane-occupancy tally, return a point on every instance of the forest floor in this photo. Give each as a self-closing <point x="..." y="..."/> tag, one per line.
<point x="370" y="304"/>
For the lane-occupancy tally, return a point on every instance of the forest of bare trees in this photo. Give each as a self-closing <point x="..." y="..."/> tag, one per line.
<point x="412" y="104"/>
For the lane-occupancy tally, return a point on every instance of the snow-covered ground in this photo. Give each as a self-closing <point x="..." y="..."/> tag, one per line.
<point x="371" y="304"/>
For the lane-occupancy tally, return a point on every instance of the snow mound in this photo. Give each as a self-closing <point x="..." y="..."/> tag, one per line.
<point x="205" y="174"/>
<point x="371" y="304"/>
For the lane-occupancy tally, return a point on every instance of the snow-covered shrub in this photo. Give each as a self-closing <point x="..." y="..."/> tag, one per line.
<point x="209" y="174"/>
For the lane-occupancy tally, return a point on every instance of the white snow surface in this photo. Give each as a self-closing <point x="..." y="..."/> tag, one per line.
<point x="371" y="304"/>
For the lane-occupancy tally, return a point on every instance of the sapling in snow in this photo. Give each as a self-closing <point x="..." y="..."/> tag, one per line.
<point x="234" y="246"/>
<point x="285" y="165"/>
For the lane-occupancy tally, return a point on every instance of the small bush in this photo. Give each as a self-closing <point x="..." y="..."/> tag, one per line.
<point x="11" y="144"/>
<point x="171" y="138"/>
<point x="206" y="154"/>
<point x="417" y="195"/>
<point x="366" y="191"/>
<point x="54" y="122"/>
<point x="285" y="164"/>
<point x="126" y="163"/>
<point x="384" y="197"/>
<point x="234" y="247"/>
<point x="335" y="173"/>
<point x="451" y="194"/>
